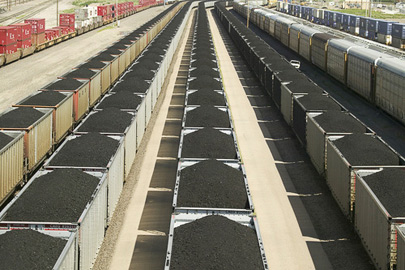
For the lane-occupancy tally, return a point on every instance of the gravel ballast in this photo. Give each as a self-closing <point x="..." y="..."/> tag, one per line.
<point x="111" y="120"/>
<point x="339" y="122"/>
<point x="59" y="196"/>
<point x="45" y="98"/>
<point x="28" y="249"/>
<point x="212" y="184"/>
<point x="389" y="187"/>
<point x="4" y="140"/>
<point x="208" y="143"/>
<point x="207" y="116"/>
<point x="20" y="118"/>
<point x="64" y="84"/>
<point x="121" y="100"/>
<point x="363" y="150"/>
<point x="215" y="242"/>
<point x="90" y="150"/>
<point x="206" y="97"/>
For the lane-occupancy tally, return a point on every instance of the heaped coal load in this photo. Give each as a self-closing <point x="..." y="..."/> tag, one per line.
<point x="68" y="191"/>
<point x="389" y="187"/>
<point x="215" y="242"/>
<point x="81" y="73"/>
<point x="120" y="46"/>
<point x="212" y="184"/>
<point x="139" y="70"/>
<point x="148" y="63"/>
<point x="208" y="143"/>
<point x="65" y="84"/>
<point x="121" y="100"/>
<point x="20" y="118"/>
<point x="205" y="70"/>
<point x="365" y="150"/>
<point x="339" y="122"/>
<point x="205" y="62"/>
<point x="202" y="50"/>
<point x="311" y="102"/>
<point x="207" y="116"/>
<point x="206" y="55"/>
<point x="114" y="51"/>
<point x="157" y="49"/>
<point x="4" y="140"/>
<point x="93" y="64"/>
<point x="206" y="97"/>
<point x="109" y="120"/>
<point x="204" y="81"/>
<point x="153" y="56"/>
<point x="131" y="84"/>
<point x="46" y="98"/>
<point x="104" y="56"/>
<point x="90" y="150"/>
<point x="28" y="249"/>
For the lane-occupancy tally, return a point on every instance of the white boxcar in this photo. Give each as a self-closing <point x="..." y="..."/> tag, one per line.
<point x="295" y="31"/>
<point x="389" y="90"/>
<point x="306" y="40"/>
<point x="337" y="58"/>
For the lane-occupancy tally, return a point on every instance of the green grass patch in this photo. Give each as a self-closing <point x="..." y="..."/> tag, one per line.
<point x="70" y="10"/>
<point x="106" y="28"/>
<point x="374" y="14"/>
<point x="20" y="17"/>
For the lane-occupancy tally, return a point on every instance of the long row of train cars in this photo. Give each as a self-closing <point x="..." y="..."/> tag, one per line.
<point x="68" y="203"/>
<point x="382" y="31"/>
<point x="211" y="193"/>
<point x="374" y="75"/>
<point x="38" y="38"/>
<point x="365" y="176"/>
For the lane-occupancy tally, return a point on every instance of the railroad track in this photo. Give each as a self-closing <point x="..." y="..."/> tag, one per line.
<point x="26" y="13"/>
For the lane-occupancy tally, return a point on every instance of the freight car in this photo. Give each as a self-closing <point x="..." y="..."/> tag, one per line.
<point x="341" y="149"/>
<point x="49" y="37"/>
<point x="351" y="63"/>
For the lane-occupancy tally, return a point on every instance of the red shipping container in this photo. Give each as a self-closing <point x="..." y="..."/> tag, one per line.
<point x="23" y="31"/>
<point x="8" y="49"/>
<point x="67" y="19"/>
<point x="23" y="44"/>
<point x="8" y="35"/>
<point x="38" y="25"/>
<point x="102" y="11"/>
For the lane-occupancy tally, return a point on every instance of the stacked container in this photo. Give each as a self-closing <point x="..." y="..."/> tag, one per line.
<point x="23" y="35"/>
<point x="37" y="30"/>
<point x="8" y="39"/>
<point x="67" y="20"/>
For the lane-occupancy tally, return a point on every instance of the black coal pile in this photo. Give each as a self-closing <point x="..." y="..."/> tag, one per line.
<point x="215" y="242"/>
<point x="28" y="249"/>
<point x="132" y="84"/>
<point x="67" y="193"/>
<point x="65" y="84"/>
<point x="121" y="100"/>
<point x="208" y="97"/>
<point x="339" y="122"/>
<point x="81" y="73"/>
<point x="205" y="62"/>
<point x="205" y="81"/>
<point x="207" y="116"/>
<point x="105" y="56"/>
<point x="389" y="187"/>
<point x="148" y="63"/>
<point x="4" y="139"/>
<point x="111" y="120"/>
<point x="22" y="117"/>
<point x="204" y="70"/>
<point x="363" y="150"/>
<point x="93" y="64"/>
<point x="90" y="150"/>
<point x="208" y="143"/>
<point x="212" y="184"/>
<point x="45" y="98"/>
<point x="318" y="102"/>
<point x="141" y="72"/>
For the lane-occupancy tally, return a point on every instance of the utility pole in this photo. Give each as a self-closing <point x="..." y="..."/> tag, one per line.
<point x="57" y="12"/>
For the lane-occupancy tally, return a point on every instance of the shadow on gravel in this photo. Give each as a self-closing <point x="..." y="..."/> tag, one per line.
<point x="312" y="197"/>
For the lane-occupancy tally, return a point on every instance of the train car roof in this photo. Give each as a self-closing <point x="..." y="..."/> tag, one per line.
<point x="341" y="44"/>
<point x="392" y="64"/>
<point x="366" y="54"/>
